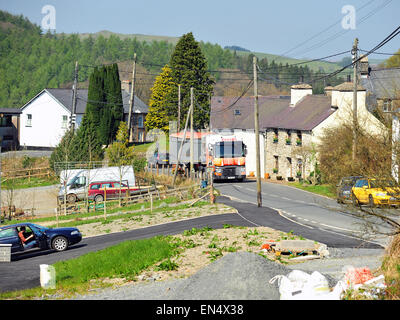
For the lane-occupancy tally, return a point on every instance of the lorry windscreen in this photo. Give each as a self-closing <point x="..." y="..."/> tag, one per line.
<point x="229" y="149"/>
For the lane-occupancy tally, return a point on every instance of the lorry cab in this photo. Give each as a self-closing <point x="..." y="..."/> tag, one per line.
<point x="227" y="157"/>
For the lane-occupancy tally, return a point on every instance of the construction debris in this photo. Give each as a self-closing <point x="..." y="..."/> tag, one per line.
<point x="303" y="248"/>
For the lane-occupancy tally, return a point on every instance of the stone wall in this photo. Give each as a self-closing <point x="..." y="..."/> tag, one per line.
<point x="286" y="152"/>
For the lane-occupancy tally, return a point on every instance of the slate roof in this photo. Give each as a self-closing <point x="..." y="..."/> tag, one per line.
<point x="383" y="83"/>
<point x="274" y="112"/>
<point x="11" y="111"/>
<point x="64" y="96"/>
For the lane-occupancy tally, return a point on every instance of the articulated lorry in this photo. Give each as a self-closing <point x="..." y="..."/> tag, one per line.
<point x="224" y="155"/>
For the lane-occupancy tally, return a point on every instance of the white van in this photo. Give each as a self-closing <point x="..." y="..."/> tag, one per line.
<point x="79" y="180"/>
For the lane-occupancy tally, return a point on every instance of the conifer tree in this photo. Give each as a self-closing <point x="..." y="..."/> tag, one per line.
<point x="158" y="116"/>
<point x="189" y="69"/>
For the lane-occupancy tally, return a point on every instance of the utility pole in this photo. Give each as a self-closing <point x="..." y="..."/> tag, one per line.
<point x="355" y="82"/>
<point x="257" y="134"/>
<point x="132" y="99"/>
<point x="181" y="147"/>
<point x="179" y="107"/>
<point x="74" y="96"/>
<point x="191" y="135"/>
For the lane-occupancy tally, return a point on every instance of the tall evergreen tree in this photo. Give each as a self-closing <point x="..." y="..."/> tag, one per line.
<point x="158" y="117"/>
<point x="189" y="69"/>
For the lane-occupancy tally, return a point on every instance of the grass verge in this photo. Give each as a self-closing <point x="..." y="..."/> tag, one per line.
<point x="323" y="189"/>
<point x="125" y="260"/>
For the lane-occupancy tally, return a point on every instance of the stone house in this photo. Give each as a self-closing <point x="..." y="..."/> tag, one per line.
<point x="291" y="126"/>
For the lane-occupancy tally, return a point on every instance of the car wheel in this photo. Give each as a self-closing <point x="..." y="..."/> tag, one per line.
<point x="371" y="201"/>
<point x="71" y="198"/>
<point x="59" y="243"/>
<point x="354" y="199"/>
<point x="98" y="198"/>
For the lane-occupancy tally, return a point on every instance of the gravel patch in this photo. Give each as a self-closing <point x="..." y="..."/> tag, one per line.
<point x="240" y="276"/>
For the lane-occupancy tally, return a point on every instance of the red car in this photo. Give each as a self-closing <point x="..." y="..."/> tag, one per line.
<point x="112" y="189"/>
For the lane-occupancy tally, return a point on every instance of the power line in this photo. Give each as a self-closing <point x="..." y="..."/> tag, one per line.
<point x="340" y="33"/>
<point x="381" y="44"/>
<point x="323" y="31"/>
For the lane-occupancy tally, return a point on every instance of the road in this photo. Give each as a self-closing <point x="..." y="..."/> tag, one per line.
<point x="284" y="209"/>
<point x="313" y="212"/>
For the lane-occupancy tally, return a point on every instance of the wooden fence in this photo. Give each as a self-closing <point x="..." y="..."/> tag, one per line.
<point x="26" y="173"/>
<point x="146" y="195"/>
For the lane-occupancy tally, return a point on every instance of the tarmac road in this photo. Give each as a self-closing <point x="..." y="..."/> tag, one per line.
<point x="24" y="270"/>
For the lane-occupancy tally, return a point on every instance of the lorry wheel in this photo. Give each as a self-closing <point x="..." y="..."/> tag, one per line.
<point x="71" y="198"/>
<point x="98" y="198"/>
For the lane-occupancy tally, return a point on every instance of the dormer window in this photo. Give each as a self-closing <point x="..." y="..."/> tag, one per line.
<point x="236" y="112"/>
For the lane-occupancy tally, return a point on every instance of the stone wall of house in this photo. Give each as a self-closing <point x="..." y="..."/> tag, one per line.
<point x="285" y="153"/>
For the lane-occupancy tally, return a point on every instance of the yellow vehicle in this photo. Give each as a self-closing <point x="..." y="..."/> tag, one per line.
<point x="375" y="193"/>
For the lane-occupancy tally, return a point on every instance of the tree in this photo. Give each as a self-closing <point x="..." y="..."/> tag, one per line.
<point x="393" y="61"/>
<point x="119" y="154"/>
<point x="158" y="117"/>
<point x="104" y="107"/>
<point x="189" y="69"/>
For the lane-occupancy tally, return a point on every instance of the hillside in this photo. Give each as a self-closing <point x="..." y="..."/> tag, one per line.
<point x="31" y="61"/>
<point x="122" y="36"/>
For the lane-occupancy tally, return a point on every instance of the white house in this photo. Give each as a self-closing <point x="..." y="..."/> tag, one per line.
<point x="46" y="117"/>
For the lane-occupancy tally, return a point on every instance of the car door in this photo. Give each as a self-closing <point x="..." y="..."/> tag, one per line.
<point x="109" y="190"/>
<point x="358" y="190"/>
<point x="363" y="194"/>
<point x="40" y="237"/>
<point x="10" y="236"/>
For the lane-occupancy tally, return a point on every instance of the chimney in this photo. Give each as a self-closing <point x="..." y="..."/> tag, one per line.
<point x="328" y="91"/>
<point x="298" y="92"/>
<point x="126" y="85"/>
<point x="364" y="67"/>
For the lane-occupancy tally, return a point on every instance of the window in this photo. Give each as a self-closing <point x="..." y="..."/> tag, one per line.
<point x="276" y="168"/>
<point x="387" y="105"/>
<point x="64" y="122"/>
<point x="299" y="139"/>
<point x="361" y="183"/>
<point x="288" y="137"/>
<point x="29" y="120"/>
<point x="106" y="185"/>
<point x="10" y="232"/>
<point x="5" y="121"/>
<point x="275" y="138"/>
<point x="236" y="112"/>
<point x="95" y="186"/>
<point x="140" y="121"/>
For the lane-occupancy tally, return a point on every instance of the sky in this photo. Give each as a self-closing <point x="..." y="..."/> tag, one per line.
<point x="300" y="29"/>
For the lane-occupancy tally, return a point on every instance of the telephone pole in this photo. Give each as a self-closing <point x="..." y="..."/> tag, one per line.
<point x="74" y="96"/>
<point x="191" y="135"/>
<point x="257" y="134"/>
<point x="132" y="99"/>
<point x="355" y="82"/>
<point x="179" y="107"/>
